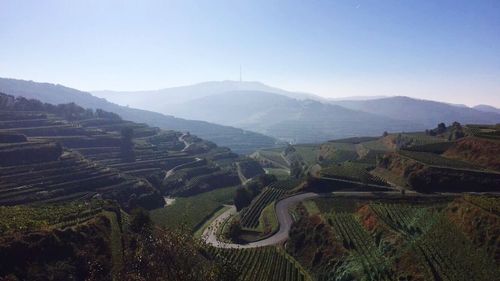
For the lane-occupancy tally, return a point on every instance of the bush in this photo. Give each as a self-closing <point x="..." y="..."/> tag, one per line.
<point x="140" y="220"/>
<point x="242" y="198"/>
<point x="127" y="145"/>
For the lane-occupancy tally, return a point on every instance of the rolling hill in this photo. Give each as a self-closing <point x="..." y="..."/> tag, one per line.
<point x="238" y="140"/>
<point x="167" y="98"/>
<point x="296" y="121"/>
<point x="487" y="108"/>
<point x="423" y="112"/>
<point x="298" y="117"/>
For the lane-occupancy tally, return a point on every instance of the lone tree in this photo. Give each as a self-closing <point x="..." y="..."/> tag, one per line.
<point x="441" y="128"/>
<point x="127" y="145"/>
<point x="242" y="198"/>
<point x="295" y="169"/>
<point x="140" y="221"/>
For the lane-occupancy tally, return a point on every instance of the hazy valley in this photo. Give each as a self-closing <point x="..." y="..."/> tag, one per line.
<point x="249" y="140"/>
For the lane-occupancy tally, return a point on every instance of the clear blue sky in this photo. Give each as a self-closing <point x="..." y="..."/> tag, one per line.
<point x="442" y="50"/>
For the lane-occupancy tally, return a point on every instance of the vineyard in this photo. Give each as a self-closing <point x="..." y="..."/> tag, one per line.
<point x="437" y="148"/>
<point x="484" y="131"/>
<point x="250" y="216"/>
<point x="263" y="264"/>
<point x="406" y="219"/>
<point x="31" y="218"/>
<point x="75" y="154"/>
<point x="490" y="204"/>
<point x="191" y="212"/>
<point x="285" y="184"/>
<point x="335" y="152"/>
<point x="451" y="256"/>
<point x="440" y="246"/>
<point x="308" y="153"/>
<point x="338" y="204"/>
<point x="413" y="139"/>
<point x="274" y="157"/>
<point x="363" y="250"/>
<point x="352" y="171"/>
<point x="390" y="238"/>
<point x="436" y="160"/>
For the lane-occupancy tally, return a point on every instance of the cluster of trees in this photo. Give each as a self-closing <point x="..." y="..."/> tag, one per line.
<point x="244" y="195"/>
<point x="155" y="254"/>
<point x="69" y="111"/>
<point x="127" y="144"/>
<point x="440" y="129"/>
<point x="455" y="131"/>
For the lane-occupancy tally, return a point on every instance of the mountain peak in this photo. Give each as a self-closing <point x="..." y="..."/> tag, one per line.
<point x="487" y="108"/>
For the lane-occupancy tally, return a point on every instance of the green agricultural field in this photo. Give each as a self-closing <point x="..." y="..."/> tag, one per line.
<point x="288" y="184"/>
<point x="275" y="157"/>
<point x="365" y="257"/>
<point x="199" y="231"/>
<point x="437" y="147"/>
<point x="268" y="222"/>
<point x="263" y="264"/>
<point x="351" y="171"/>
<point x="398" y="238"/>
<point x="337" y="204"/>
<point x="419" y="138"/>
<point x="278" y="172"/>
<point x="192" y="211"/>
<point x="250" y="216"/>
<point x="116" y="244"/>
<point x="338" y="152"/>
<point x="377" y="144"/>
<point x="311" y="207"/>
<point x="42" y="217"/>
<point x="308" y="153"/>
<point x="436" y="160"/>
<point x="354" y="140"/>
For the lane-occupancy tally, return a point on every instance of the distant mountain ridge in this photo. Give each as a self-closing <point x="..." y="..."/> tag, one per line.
<point x="182" y="94"/>
<point x="255" y="107"/>
<point x="296" y="121"/>
<point x="237" y="139"/>
<point x="298" y="117"/>
<point x="487" y="108"/>
<point x="424" y="112"/>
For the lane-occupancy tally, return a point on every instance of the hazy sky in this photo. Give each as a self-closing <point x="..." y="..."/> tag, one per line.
<point x="442" y="50"/>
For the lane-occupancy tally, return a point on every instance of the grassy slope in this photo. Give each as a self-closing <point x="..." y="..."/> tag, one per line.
<point x="116" y="244"/>
<point x="279" y="173"/>
<point x="199" y="231"/>
<point x="311" y="207"/>
<point x="268" y="221"/>
<point x="308" y="153"/>
<point x="194" y="210"/>
<point x="338" y="152"/>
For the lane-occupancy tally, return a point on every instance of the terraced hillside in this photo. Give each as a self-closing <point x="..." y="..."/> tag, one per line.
<point x="466" y="164"/>
<point x="397" y="238"/>
<point x="239" y="140"/>
<point x="85" y="236"/>
<point x="448" y="158"/>
<point x="59" y="153"/>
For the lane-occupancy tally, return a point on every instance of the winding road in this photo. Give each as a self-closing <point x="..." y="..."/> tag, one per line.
<point x="186" y="146"/>
<point x="284" y="219"/>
